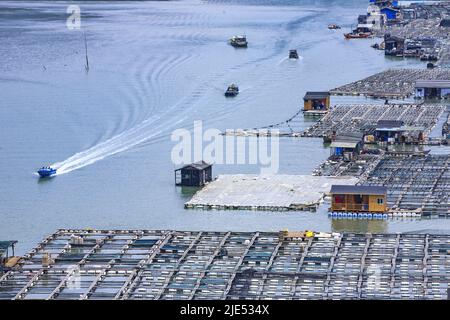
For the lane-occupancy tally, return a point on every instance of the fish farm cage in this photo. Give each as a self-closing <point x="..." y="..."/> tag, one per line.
<point x="165" y="264"/>
<point x="364" y="118"/>
<point x="415" y="182"/>
<point x="392" y="83"/>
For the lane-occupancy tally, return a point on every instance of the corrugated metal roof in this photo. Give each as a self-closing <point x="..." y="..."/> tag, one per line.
<point x="199" y="165"/>
<point x="393" y="38"/>
<point x="349" y="136"/>
<point x="316" y="95"/>
<point x="389" y="124"/>
<point x="6" y="244"/>
<point x="346" y="189"/>
<point x="344" y="144"/>
<point x="432" y="84"/>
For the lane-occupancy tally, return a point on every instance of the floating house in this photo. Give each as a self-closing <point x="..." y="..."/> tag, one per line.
<point x="346" y="147"/>
<point x="394" y="131"/>
<point x="358" y="198"/>
<point x="432" y="89"/>
<point x="388" y="130"/>
<point x="393" y="46"/>
<point x="6" y="260"/>
<point x="316" y="101"/>
<point x="196" y="174"/>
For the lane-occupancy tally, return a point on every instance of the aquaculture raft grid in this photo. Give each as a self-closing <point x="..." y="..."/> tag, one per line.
<point x="415" y="182"/>
<point x="392" y="83"/>
<point x="358" y="118"/>
<point x="140" y="264"/>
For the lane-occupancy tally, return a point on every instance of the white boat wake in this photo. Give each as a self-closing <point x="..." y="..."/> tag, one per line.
<point x="119" y="143"/>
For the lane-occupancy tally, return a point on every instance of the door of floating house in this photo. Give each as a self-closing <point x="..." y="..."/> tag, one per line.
<point x="196" y="174"/>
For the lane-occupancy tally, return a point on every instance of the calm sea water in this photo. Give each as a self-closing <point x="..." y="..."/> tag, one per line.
<point x="155" y="67"/>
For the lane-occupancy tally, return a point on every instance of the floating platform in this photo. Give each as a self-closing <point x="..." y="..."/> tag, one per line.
<point x="315" y="113"/>
<point x="393" y="83"/>
<point x="167" y="264"/>
<point x="360" y="166"/>
<point x="374" y="216"/>
<point x="418" y="183"/>
<point x="270" y="193"/>
<point x="363" y="117"/>
<point x="415" y="183"/>
<point x="428" y="29"/>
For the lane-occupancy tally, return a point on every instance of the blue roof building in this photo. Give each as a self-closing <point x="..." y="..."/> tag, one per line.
<point x="391" y="13"/>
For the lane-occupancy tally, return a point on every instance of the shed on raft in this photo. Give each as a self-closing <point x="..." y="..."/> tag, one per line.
<point x="196" y="174"/>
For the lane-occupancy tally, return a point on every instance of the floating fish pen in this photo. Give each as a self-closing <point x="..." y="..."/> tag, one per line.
<point x="361" y="165"/>
<point x="427" y="35"/>
<point x="364" y="118"/>
<point x="167" y="265"/>
<point x="416" y="184"/>
<point x="392" y="83"/>
<point x="417" y="29"/>
<point x="265" y="192"/>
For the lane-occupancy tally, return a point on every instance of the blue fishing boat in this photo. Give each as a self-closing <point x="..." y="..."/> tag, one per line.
<point x="46" y="172"/>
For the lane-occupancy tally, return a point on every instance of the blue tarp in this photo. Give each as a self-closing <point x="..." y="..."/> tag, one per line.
<point x="390" y="13"/>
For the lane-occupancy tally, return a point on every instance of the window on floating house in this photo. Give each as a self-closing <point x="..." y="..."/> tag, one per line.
<point x="380" y="200"/>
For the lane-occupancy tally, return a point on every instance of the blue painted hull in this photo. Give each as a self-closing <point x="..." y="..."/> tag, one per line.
<point x="44" y="173"/>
